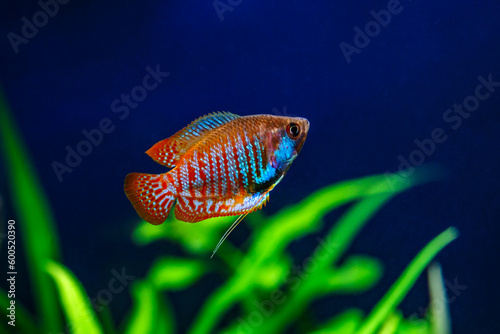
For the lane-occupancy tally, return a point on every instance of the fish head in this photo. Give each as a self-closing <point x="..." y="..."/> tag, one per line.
<point x="289" y="137"/>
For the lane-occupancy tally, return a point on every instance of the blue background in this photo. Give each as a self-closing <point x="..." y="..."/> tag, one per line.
<point x="270" y="57"/>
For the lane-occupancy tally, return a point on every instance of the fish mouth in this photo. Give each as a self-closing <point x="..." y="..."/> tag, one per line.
<point x="307" y="125"/>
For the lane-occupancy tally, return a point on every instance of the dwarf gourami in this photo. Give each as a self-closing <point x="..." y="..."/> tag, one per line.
<point x="223" y="165"/>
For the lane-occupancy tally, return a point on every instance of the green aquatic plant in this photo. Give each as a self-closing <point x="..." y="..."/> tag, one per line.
<point x="264" y="270"/>
<point x="37" y="229"/>
<point x="260" y="282"/>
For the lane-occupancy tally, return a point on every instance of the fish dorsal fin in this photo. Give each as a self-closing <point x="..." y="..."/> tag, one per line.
<point x="168" y="152"/>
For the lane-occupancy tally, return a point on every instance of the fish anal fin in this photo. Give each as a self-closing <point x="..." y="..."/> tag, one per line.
<point x="185" y="211"/>
<point x="169" y="151"/>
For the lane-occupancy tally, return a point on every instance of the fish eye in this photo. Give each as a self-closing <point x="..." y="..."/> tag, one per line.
<point x="293" y="130"/>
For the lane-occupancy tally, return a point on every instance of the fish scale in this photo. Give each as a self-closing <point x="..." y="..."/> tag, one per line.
<point x="223" y="164"/>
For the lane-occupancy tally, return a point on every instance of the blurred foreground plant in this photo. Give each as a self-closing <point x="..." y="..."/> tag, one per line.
<point x="265" y="284"/>
<point x="262" y="282"/>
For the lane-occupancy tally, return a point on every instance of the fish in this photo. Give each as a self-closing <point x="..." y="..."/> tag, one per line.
<point x="221" y="164"/>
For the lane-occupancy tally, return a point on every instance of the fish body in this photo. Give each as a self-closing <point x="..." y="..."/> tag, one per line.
<point x="223" y="164"/>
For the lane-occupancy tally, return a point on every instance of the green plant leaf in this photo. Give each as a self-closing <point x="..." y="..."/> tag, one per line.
<point x="165" y="323"/>
<point x="199" y="238"/>
<point x="145" y="309"/>
<point x="357" y="274"/>
<point x="149" y="314"/>
<point x="291" y="223"/>
<point x="35" y="221"/>
<point x="391" y="324"/>
<point x="272" y="273"/>
<point x="106" y="320"/>
<point x="175" y="273"/>
<point x="344" y="323"/>
<point x="306" y="216"/>
<point x="400" y="288"/>
<point x="413" y="326"/>
<point x="74" y="300"/>
<point x="334" y="245"/>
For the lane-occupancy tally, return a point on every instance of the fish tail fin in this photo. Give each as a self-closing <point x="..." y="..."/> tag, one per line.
<point x="152" y="195"/>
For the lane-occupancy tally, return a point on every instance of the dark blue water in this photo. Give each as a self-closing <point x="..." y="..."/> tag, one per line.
<point x="368" y="100"/>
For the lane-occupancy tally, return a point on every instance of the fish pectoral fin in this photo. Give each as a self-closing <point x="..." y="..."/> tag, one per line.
<point x="169" y="151"/>
<point x="230" y="229"/>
